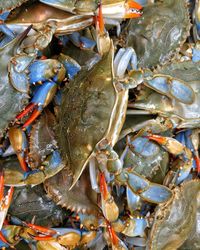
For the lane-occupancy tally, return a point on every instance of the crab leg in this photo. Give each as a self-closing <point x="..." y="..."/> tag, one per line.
<point x="4" y="200"/>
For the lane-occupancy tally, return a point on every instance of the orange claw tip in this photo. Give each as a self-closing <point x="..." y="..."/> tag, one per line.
<point x="103" y="186"/>
<point x="1" y="186"/>
<point x="159" y="139"/>
<point x="3" y="239"/>
<point x="130" y="15"/>
<point x="41" y="229"/>
<point x="42" y="238"/>
<point x="100" y="20"/>
<point x="28" y="109"/>
<point x="135" y="5"/>
<point x="22" y="163"/>
<point x="113" y="236"/>
<point x="32" y="118"/>
<point x="197" y="161"/>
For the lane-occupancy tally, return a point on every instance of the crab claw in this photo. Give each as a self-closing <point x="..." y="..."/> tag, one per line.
<point x="19" y="143"/>
<point x="42" y="230"/>
<point x="42" y="70"/>
<point x="42" y="97"/>
<point x="3" y="241"/>
<point x="122" y="9"/>
<point x="132" y="10"/>
<point x="104" y="43"/>
<point x="171" y="145"/>
<point x="4" y="200"/>
<point x="112" y="234"/>
<point x="42" y="238"/>
<point x="81" y="41"/>
<point x="109" y="208"/>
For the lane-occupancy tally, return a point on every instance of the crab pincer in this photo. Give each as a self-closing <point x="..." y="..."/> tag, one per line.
<point x="20" y="145"/>
<point x="109" y="208"/>
<point x="42" y="97"/>
<point x="43" y="233"/>
<point x="176" y="148"/>
<point x="48" y="73"/>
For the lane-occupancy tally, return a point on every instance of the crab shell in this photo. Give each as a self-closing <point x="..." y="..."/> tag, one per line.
<point x="10" y="5"/>
<point x="92" y="112"/>
<point x="175" y="219"/>
<point x="160" y="32"/>
<point x="42" y="139"/>
<point x="32" y="202"/>
<point x="81" y="198"/>
<point x="11" y="101"/>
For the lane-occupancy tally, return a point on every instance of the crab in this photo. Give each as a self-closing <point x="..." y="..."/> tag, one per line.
<point x="167" y="21"/>
<point x="172" y="226"/>
<point x="182" y="107"/>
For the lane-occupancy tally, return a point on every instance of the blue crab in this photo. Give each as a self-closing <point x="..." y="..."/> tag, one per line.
<point x="166" y="21"/>
<point x="172" y="226"/>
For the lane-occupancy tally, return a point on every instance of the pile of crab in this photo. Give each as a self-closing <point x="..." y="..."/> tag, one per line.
<point x="99" y="124"/>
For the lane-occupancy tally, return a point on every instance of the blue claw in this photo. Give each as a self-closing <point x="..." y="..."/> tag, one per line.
<point x="188" y="141"/>
<point x="7" y="32"/>
<point x="184" y="138"/>
<point x="43" y="70"/>
<point x="160" y="84"/>
<point x="156" y="193"/>
<point x="64" y="40"/>
<point x="18" y="75"/>
<point x="136" y="183"/>
<point x="173" y="88"/>
<point x="8" y="35"/>
<point x="53" y="165"/>
<point x="183" y="175"/>
<point x="71" y="66"/>
<point x="81" y="41"/>
<point x="196" y="54"/>
<point x="44" y="93"/>
<point x="133" y="200"/>
<point x="182" y="92"/>
<point x="4" y="15"/>
<point x="181" y="137"/>
<point x="42" y="97"/>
